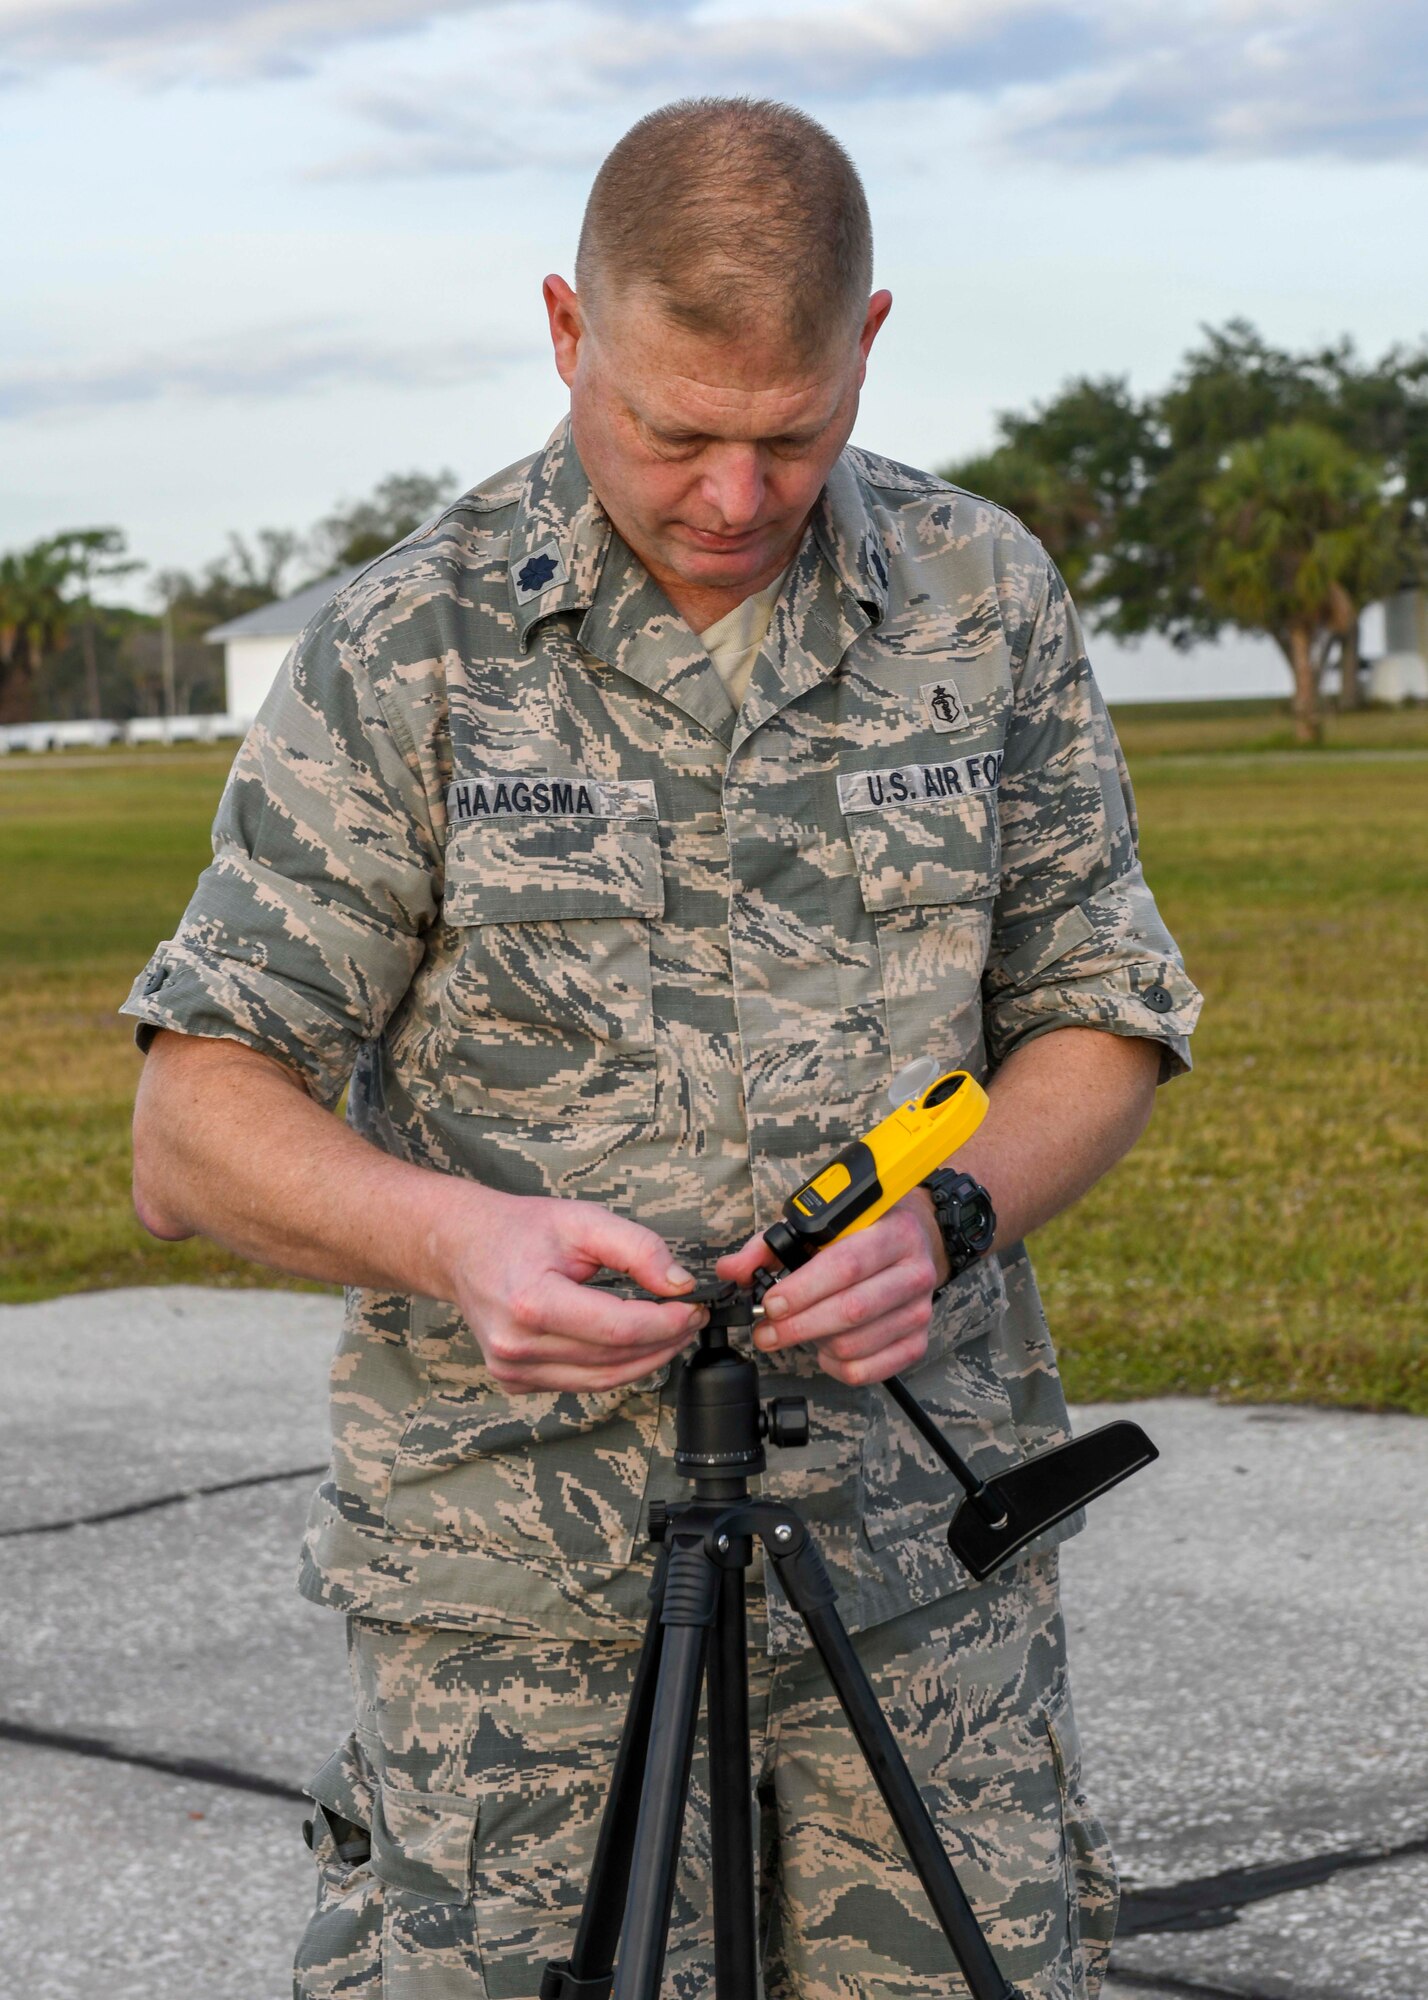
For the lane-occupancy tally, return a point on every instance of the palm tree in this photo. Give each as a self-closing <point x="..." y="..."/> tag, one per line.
<point x="1300" y="535"/>
<point x="34" y="621"/>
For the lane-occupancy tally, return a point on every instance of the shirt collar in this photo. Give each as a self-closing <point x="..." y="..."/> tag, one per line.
<point x="847" y="532"/>
<point x="562" y="535"/>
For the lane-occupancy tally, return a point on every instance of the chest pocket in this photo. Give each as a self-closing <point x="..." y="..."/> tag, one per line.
<point x="547" y="1008"/>
<point x="928" y="873"/>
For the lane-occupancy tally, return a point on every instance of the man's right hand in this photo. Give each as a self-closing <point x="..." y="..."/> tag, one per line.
<point x="520" y="1277"/>
<point x="228" y="1144"/>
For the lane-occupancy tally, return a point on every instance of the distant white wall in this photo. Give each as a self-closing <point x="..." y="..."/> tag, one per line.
<point x="1152" y="669"/>
<point x="250" y="668"/>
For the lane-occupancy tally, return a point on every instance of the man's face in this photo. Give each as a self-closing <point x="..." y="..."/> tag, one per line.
<point x="707" y="455"/>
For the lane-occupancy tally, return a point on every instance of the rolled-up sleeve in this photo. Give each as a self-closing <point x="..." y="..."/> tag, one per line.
<point x="1077" y="941"/>
<point x="304" y="931"/>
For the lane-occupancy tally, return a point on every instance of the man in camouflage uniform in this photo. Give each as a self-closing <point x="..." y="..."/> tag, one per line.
<point x="611" y="943"/>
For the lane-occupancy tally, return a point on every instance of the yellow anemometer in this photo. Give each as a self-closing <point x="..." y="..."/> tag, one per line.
<point x="931" y="1121"/>
<point x="933" y="1116"/>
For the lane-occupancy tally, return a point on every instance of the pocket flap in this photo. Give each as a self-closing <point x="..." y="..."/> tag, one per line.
<point x="344" y="1784"/>
<point x="539" y="871"/>
<point x="423" y="1843"/>
<point x="937" y="851"/>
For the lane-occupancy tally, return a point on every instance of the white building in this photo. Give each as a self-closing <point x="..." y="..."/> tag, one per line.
<point x="1236" y="667"/>
<point x="255" y="645"/>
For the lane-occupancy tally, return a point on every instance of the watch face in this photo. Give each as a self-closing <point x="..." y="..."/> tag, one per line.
<point x="976" y="1221"/>
<point x="966" y="1216"/>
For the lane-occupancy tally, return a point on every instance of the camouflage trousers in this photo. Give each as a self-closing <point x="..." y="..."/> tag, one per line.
<point x="480" y="1765"/>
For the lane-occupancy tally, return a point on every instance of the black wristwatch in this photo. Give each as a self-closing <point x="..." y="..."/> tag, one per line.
<point x="966" y="1218"/>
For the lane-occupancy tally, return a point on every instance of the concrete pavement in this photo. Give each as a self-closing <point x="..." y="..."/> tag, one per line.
<point x="1247" y="1623"/>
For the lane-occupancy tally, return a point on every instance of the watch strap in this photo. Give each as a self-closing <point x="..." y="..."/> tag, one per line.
<point x="965" y="1217"/>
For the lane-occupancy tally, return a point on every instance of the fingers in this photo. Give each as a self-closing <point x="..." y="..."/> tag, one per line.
<point x="514" y="1345"/>
<point x="845" y="1321"/>
<point x="607" y="1239"/>
<point x="586" y="1377"/>
<point x="593" y="1320"/>
<point x="740" y="1265"/>
<point x="854" y="1265"/>
<point x="563" y="1335"/>
<point x="866" y="1303"/>
<point x="903" y="1354"/>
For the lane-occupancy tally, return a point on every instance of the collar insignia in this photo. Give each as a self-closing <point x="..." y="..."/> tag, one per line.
<point x="540" y="570"/>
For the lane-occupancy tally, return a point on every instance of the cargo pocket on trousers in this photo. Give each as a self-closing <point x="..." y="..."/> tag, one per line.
<point x="421" y="1853"/>
<point x="548" y="1009"/>
<point x="340" y="1951"/>
<point x="480" y="1892"/>
<point x="534" y="1846"/>
<point x="1092" y="1888"/>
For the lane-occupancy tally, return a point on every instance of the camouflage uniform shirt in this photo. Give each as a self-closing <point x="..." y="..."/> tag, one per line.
<point x="499" y="852"/>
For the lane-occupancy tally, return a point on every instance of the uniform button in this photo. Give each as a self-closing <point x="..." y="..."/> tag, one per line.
<point x="1158" y="998"/>
<point x="156" y="979"/>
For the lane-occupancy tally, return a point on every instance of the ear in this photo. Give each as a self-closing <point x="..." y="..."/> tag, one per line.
<point x="567" y="326"/>
<point x="879" y="306"/>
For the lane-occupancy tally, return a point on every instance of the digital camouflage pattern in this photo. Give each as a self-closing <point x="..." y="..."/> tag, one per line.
<point x="499" y="849"/>
<point x="480" y="1764"/>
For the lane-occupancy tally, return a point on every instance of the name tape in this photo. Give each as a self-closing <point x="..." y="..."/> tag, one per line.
<point x="958" y="778"/>
<point x="539" y="795"/>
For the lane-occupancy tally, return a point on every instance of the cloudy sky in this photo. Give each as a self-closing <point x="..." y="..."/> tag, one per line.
<point x="259" y="253"/>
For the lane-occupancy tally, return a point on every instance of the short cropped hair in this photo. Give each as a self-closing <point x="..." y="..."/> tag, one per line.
<point x="735" y="212"/>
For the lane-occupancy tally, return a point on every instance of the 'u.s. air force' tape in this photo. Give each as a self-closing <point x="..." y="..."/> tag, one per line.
<point x="543" y="795"/>
<point x="958" y="778"/>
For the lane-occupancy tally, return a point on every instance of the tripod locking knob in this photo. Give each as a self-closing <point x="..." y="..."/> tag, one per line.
<point x="785" y="1421"/>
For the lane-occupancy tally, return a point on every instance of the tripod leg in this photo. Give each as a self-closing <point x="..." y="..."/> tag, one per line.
<point x="731" y="1818"/>
<point x="806" y="1583"/>
<point x="691" y="1597"/>
<point x="587" y="1971"/>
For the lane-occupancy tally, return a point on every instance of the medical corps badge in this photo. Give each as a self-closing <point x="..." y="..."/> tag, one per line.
<point x="944" y="706"/>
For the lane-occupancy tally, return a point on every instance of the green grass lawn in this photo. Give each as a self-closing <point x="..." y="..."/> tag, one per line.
<point x="1264" y="1241"/>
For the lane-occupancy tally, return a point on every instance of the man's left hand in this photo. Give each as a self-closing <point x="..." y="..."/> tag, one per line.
<point x="865" y="1303"/>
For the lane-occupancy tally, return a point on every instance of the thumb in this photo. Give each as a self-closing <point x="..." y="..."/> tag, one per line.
<point x="740" y="1265"/>
<point x="625" y="1246"/>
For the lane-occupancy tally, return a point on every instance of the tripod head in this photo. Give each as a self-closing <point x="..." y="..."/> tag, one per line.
<point x="720" y="1427"/>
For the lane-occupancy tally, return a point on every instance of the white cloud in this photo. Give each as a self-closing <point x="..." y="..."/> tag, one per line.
<point x="174" y="40"/>
<point x="859" y="50"/>
<point x="262" y="363"/>
<point x="1083" y="81"/>
<point x="465" y="130"/>
<point x="1247" y="79"/>
<point x="1087" y="81"/>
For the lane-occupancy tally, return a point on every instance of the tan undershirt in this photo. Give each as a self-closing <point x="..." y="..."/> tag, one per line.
<point x="733" y="641"/>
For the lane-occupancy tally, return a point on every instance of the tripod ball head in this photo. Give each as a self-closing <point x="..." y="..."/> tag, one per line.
<point x="719" y="1427"/>
<point x="717" y="1415"/>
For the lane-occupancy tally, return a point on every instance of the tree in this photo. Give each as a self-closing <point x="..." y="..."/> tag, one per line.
<point x="1118" y="489"/>
<point x="87" y="554"/>
<point x="363" y="529"/>
<point x="34" y="621"/>
<point x="1300" y="537"/>
<point x="258" y="571"/>
<point x="1068" y="470"/>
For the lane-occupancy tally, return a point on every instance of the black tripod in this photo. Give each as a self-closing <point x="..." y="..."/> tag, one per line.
<point x="697" y="1627"/>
